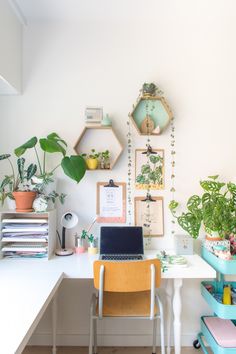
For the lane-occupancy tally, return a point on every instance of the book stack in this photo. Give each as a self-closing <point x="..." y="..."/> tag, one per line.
<point x="25" y="237"/>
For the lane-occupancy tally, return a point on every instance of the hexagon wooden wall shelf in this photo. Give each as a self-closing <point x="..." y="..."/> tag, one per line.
<point x="100" y="138"/>
<point x="161" y="115"/>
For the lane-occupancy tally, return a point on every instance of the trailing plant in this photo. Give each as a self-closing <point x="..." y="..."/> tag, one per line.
<point x="215" y="209"/>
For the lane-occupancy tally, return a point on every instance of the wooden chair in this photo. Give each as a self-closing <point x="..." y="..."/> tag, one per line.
<point x="126" y="290"/>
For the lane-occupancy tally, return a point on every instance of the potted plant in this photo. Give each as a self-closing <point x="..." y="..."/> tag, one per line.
<point x="92" y="249"/>
<point x="79" y="242"/>
<point x="215" y="209"/>
<point x="17" y="185"/>
<point x="92" y="159"/>
<point x="105" y="160"/>
<point x="73" y="166"/>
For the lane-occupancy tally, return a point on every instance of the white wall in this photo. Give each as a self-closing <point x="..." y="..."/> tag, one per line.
<point x="10" y="50"/>
<point x="188" y="49"/>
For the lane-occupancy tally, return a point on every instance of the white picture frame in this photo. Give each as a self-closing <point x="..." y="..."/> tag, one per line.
<point x="93" y="115"/>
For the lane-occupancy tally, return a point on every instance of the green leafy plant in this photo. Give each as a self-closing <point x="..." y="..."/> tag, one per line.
<point x="152" y="171"/>
<point x="215" y="209"/>
<point x="92" y="155"/>
<point x="105" y="155"/>
<point x="73" y="166"/>
<point x="16" y="181"/>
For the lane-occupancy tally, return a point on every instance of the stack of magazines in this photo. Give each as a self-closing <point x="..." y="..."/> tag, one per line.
<point x="26" y="237"/>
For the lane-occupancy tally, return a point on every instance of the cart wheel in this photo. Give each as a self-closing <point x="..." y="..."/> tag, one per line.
<point x="196" y="344"/>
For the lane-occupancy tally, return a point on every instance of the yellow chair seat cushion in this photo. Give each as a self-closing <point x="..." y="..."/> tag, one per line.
<point x="126" y="304"/>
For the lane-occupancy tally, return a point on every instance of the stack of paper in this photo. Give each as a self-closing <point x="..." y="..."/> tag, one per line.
<point x="26" y="237"/>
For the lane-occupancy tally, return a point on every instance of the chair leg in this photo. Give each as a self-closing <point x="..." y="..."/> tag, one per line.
<point x="95" y="335"/>
<point x="154" y="334"/>
<point x="91" y="336"/>
<point x="162" y="332"/>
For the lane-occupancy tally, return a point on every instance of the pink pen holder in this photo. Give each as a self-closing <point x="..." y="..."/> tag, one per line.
<point x="79" y="250"/>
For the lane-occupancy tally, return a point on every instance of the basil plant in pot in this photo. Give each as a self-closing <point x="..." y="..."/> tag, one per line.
<point x="73" y="166"/>
<point x="215" y="209"/>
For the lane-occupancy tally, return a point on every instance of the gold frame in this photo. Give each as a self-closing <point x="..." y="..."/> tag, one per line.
<point x="139" y="186"/>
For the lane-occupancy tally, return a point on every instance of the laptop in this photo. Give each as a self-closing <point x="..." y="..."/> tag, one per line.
<point x="121" y="243"/>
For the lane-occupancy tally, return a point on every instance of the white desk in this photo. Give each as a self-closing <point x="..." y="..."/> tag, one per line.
<point x="33" y="283"/>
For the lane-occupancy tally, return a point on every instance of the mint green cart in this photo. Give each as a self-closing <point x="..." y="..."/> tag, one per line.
<point x="223" y="311"/>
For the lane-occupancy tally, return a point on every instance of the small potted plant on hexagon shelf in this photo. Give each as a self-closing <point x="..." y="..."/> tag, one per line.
<point x="91" y="159"/>
<point x="105" y="160"/>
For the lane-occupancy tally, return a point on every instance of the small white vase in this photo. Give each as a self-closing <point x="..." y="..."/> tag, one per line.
<point x="11" y="203"/>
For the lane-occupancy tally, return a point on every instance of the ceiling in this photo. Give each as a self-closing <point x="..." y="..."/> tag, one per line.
<point x="34" y="10"/>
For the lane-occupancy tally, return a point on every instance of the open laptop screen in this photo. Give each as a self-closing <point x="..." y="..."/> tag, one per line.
<point x="121" y="240"/>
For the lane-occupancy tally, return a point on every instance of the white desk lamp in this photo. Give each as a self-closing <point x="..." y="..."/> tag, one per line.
<point x="68" y="221"/>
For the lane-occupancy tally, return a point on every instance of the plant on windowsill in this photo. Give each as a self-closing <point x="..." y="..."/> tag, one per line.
<point x="215" y="209"/>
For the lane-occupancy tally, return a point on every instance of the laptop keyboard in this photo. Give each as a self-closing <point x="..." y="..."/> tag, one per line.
<point x="121" y="257"/>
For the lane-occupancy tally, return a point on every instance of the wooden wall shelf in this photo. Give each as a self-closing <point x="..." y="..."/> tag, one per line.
<point x="161" y="114"/>
<point x="100" y="138"/>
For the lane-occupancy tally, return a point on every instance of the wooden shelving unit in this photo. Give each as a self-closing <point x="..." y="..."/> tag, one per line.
<point x="161" y="114"/>
<point x="100" y="138"/>
<point x="14" y="216"/>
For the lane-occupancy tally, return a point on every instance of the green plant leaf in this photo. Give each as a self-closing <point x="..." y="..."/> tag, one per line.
<point x="213" y="177"/>
<point x="211" y="186"/>
<point x="193" y="203"/>
<point x="51" y="146"/>
<point x="31" y="170"/>
<point x="56" y="137"/>
<point x="21" y="165"/>
<point x="28" y="145"/>
<point x="190" y="224"/>
<point x="173" y="205"/>
<point x="74" y="167"/>
<point x="4" y="156"/>
<point x="145" y="169"/>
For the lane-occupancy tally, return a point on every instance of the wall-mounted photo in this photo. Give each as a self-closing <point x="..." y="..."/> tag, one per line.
<point x="149" y="215"/>
<point x="93" y="115"/>
<point x="149" y="169"/>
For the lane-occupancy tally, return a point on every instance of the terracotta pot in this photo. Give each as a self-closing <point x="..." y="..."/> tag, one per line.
<point x="24" y="200"/>
<point x="92" y="164"/>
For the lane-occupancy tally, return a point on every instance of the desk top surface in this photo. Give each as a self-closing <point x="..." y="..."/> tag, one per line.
<point x="80" y="266"/>
<point x="28" y="285"/>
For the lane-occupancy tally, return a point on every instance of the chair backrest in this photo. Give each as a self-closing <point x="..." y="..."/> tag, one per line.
<point x="127" y="276"/>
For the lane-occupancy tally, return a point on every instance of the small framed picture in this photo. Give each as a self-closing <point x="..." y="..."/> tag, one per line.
<point x="93" y="115"/>
<point x="149" y="215"/>
<point x="149" y="169"/>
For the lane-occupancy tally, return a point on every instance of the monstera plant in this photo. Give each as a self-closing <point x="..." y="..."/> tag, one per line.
<point x="38" y="174"/>
<point x="215" y="209"/>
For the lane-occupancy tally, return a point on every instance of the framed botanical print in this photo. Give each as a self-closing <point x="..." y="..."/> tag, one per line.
<point x="149" y="169"/>
<point x="149" y="215"/>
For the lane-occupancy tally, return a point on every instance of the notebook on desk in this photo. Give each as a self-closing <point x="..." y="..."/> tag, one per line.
<point x="121" y="243"/>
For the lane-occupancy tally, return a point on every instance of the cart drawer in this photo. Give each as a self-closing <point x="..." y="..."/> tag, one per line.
<point x="223" y="311"/>
<point x="221" y="265"/>
<point x="216" y="348"/>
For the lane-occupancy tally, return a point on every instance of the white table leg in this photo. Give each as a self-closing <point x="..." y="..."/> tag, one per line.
<point x="177" y="306"/>
<point x="54" y="324"/>
<point x="169" y="292"/>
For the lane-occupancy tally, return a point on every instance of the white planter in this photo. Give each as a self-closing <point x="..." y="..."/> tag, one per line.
<point x="11" y="204"/>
